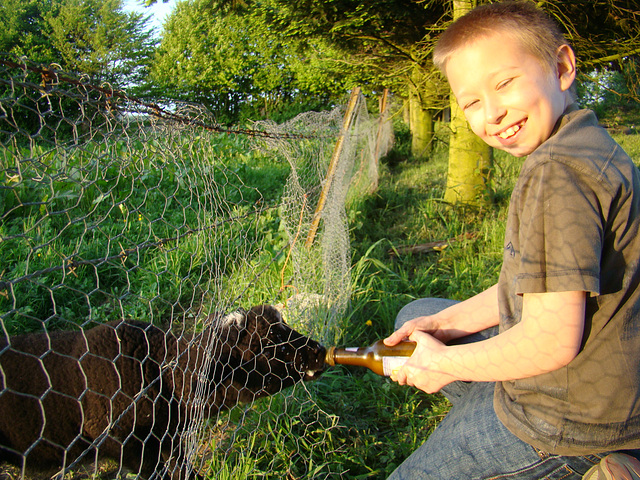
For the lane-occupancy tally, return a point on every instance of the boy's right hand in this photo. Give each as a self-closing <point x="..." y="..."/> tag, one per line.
<point x="426" y="324"/>
<point x="430" y="324"/>
<point x="401" y="334"/>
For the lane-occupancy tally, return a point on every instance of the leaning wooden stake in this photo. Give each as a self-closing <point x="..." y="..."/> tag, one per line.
<point x="381" y="123"/>
<point x="333" y="164"/>
<point x="383" y="119"/>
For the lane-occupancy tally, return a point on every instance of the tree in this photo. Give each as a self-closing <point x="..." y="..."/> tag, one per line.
<point x="231" y="63"/>
<point x="427" y="96"/>
<point x="470" y="159"/>
<point x="98" y="38"/>
<point x="194" y="65"/>
<point x="24" y="31"/>
<point x="94" y="37"/>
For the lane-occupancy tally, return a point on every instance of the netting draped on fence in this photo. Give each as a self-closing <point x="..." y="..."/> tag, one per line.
<point x="134" y="241"/>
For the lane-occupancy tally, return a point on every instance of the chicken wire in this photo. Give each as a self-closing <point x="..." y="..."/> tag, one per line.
<point x="113" y="209"/>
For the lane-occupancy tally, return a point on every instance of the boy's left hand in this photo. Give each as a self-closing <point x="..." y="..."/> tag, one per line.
<point x="421" y="370"/>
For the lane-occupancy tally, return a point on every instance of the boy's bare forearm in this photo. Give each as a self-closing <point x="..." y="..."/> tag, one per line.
<point x="473" y="315"/>
<point x="547" y="338"/>
<point x="464" y="318"/>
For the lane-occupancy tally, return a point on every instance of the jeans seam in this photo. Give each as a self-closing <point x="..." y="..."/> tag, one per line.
<point x="544" y="458"/>
<point x="533" y="466"/>
<point x="542" y="454"/>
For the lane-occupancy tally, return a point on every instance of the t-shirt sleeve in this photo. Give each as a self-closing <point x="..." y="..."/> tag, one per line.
<point x="561" y="231"/>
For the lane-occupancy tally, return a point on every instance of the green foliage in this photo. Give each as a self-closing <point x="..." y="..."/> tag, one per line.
<point x="97" y="38"/>
<point x="92" y="37"/>
<point x="611" y="94"/>
<point x="630" y="143"/>
<point x="236" y="66"/>
<point x="24" y="29"/>
<point x="341" y="435"/>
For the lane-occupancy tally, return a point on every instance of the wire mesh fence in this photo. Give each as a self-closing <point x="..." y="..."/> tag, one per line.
<point x="147" y="258"/>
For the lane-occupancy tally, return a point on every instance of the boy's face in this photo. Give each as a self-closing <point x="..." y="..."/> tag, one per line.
<point x="509" y="98"/>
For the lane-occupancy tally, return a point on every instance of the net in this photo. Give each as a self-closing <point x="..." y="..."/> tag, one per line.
<point x="147" y="256"/>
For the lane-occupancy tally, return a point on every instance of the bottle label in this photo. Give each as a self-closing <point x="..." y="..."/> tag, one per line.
<point x="390" y="364"/>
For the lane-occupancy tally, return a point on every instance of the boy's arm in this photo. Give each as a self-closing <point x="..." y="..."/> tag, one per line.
<point x="548" y="337"/>
<point x="470" y="316"/>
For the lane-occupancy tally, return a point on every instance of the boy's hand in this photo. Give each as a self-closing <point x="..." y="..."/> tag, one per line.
<point x="427" y="324"/>
<point x="421" y="370"/>
<point x="402" y="333"/>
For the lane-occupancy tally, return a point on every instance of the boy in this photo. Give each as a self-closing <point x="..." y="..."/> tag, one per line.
<point x="557" y="389"/>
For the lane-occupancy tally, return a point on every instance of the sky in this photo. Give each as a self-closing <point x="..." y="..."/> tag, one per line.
<point x="158" y="10"/>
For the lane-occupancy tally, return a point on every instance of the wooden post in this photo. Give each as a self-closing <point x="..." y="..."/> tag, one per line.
<point x="333" y="164"/>
<point x="381" y="121"/>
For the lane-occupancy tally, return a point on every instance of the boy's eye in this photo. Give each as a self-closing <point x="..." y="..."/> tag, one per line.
<point x="470" y="104"/>
<point x="504" y="83"/>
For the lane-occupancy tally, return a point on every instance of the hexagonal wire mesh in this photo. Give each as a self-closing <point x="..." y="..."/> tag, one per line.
<point x="131" y="237"/>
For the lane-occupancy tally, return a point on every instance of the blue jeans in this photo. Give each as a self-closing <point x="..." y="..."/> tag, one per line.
<point x="471" y="443"/>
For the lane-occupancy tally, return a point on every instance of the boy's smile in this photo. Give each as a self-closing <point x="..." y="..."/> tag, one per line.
<point x="510" y="97"/>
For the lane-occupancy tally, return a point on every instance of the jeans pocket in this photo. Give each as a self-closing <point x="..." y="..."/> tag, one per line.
<point x="561" y="473"/>
<point x="568" y="467"/>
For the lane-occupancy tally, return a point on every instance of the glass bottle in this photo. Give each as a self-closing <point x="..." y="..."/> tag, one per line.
<point x="378" y="357"/>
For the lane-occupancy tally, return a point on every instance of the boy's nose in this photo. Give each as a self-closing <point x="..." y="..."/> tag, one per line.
<point x="494" y="112"/>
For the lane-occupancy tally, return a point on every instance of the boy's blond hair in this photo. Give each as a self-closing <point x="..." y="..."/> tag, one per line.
<point x="521" y="20"/>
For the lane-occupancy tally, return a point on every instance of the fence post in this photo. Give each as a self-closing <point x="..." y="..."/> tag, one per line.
<point x="333" y="164"/>
<point x="381" y="121"/>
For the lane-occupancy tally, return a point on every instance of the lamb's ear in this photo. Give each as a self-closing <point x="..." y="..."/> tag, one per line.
<point x="273" y="312"/>
<point x="270" y="313"/>
<point x="236" y="319"/>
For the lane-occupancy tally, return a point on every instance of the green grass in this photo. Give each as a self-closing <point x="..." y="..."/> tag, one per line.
<point x="368" y="424"/>
<point x="348" y="424"/>
<point x="126" y="228"/>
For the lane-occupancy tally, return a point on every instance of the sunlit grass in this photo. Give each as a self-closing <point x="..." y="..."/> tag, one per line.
<point x="349" y="423"/>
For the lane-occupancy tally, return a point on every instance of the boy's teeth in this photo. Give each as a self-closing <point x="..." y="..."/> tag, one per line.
<point x="509" y="132"/>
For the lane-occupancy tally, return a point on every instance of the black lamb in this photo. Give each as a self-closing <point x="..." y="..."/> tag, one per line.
<point x="126" y="389"/>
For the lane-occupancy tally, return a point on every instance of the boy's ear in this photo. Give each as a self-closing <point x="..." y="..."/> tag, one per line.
<point x="566" y="67"/>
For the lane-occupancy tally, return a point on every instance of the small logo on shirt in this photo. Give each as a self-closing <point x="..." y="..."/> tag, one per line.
<point x="509" y="248"/>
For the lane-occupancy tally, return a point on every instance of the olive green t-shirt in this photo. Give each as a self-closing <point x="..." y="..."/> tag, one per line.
<point x="573" y="225"/>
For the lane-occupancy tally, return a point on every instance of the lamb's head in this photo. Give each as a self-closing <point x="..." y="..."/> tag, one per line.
<point x="267" y="355"/>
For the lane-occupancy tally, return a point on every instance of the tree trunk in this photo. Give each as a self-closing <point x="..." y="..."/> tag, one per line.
<point x="470" y="163"/>
<point x="406" y="113"/>
<point x="470" y="159"/>
<point x="421" y="116"/>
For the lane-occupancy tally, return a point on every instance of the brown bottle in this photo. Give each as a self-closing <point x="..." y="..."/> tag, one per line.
<point x="378" y="357"/>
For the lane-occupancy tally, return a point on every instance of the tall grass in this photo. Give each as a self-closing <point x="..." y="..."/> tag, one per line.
<point x="128" y="228"/>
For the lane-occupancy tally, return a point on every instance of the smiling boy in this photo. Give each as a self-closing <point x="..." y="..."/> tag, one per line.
<point x="512" y="100"/>
<point x="557" y="387"/>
